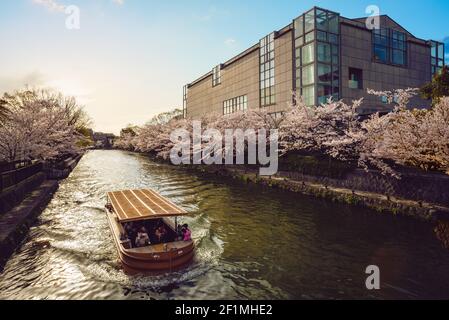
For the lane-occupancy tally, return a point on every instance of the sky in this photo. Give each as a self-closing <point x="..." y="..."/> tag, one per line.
<point x="129" y="59"/>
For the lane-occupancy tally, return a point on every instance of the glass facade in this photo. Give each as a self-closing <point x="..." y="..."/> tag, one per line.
<point x="235" y="105"/>
<point x="317" y="56"/>
<point x="437" y="56"/>
<point x="216" y="76"/>
<point x="266" y="62"/>
<point x="390" y="46"/>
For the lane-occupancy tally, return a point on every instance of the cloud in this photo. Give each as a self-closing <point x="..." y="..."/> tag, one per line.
<point x="230" y="42"/>
<point x="33" y="79"/>
<point x="51" y="5"/>
<point x="56" y="6"/>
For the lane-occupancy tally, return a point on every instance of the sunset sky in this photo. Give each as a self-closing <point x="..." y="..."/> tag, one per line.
<point x="130" y="58"/>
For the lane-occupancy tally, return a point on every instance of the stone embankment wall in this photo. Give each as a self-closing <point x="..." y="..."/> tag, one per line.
<point x="22" y="202"/>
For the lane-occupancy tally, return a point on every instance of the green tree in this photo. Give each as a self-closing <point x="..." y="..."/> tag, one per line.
<point x="438" y="88"/>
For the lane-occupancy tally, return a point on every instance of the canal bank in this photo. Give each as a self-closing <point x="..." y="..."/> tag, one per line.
<point x="379" y="202"/>
<point x="23" y="202"/>
<point x="435" y="214"/>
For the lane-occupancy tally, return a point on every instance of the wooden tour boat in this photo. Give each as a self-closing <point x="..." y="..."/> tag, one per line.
<point x="146" y="208"/>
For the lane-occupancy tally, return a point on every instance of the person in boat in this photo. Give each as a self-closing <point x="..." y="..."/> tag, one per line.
<point x="142" y="239"/>
<point x="187" y="234"/>
<point x="131" y="232"/>
<point x="161" y="233"/>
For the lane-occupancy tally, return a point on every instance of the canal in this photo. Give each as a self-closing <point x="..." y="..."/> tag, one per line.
<point x="252" y="243"/>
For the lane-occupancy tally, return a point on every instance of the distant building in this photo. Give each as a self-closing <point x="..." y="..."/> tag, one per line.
<point x="320" y="54"/>
<point x="103" y="140"/>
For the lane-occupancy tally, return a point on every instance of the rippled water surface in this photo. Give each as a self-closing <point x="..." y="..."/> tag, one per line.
<point x="251" y="242"/>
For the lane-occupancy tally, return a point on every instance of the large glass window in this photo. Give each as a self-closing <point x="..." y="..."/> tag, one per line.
<point x="322" y="22"/>
<point x="308" y="75"/>
<point x="437" y="56"/>
<point x="317" y="55"/>
<point x="308" y="54"/>
<point x="299" y="27"/>
<point x="324" y="52"/>
<point x="333" y="23"/>
<point x="308" y="94"/>
<point x="235" y="105"/>
<point x="309" y="21"/>
<point x="441" y="50"/>
<point x="398" y="57"/>
<point x="267" y="82"/>
<point x="380" y="53"/>
<point x="310" y="37"/>
<point x="216" y="76"/>
<point x="399" y="48"/>
<point x="324" y="93"/>
<point x="324" y="73"/>
<point x="390" y="46"/>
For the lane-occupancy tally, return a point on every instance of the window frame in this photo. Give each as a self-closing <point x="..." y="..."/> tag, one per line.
<point x="391" y="41"/>
<point x="267" y="83"/>
<point x="216" y="75"/>
<point x="235" y="104"/>
<point x="359" y="82"/>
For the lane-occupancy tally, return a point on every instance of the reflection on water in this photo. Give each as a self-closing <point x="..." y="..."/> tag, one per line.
<point x="252" y="242"/>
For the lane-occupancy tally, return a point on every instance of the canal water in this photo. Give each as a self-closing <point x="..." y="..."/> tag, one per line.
<point x="252" y="243"/>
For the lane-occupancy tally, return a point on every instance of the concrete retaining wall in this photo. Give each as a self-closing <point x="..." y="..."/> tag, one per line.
<point x="14" y="225"/>
<point x="21" y="204"/>
<point x="15" y="194"/>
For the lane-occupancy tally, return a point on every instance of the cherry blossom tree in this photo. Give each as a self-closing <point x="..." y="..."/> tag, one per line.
<point x="37" y="127"/>
<point x="332" y="128"/>
<point x="400" y="97"/>
<point x="404" y="137"/>
<point x="417" y="138"/>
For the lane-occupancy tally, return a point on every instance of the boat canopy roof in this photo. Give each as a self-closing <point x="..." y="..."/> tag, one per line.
<point x="143" y="204"/>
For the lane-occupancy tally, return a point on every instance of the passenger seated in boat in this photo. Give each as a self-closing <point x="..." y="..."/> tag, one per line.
<point x="187" y="234"/>
<point x="161" y="234"/>
<point x="142" y="239"/>
<point x="131" y="232"/>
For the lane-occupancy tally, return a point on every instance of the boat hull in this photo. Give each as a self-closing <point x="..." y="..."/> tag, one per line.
<point x="154" y="258"/>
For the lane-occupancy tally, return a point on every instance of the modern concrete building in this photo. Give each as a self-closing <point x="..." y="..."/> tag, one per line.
<point x="318" y="55"/>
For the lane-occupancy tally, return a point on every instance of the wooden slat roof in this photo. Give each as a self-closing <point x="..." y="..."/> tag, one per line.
<point x="144" y="204"/>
